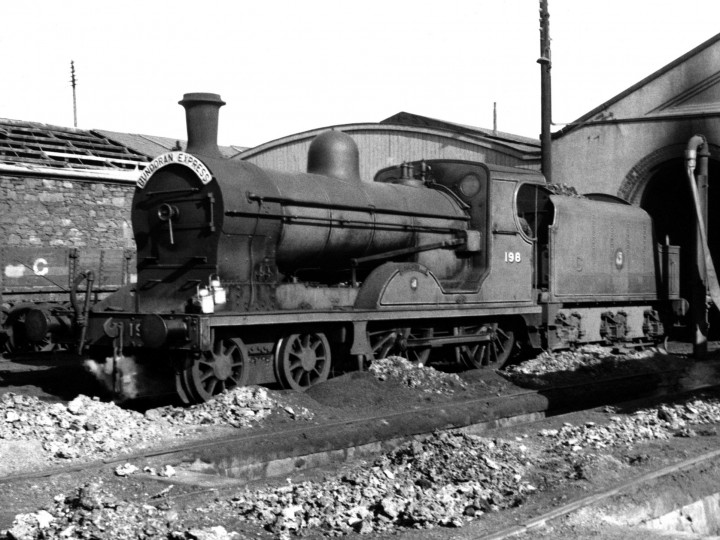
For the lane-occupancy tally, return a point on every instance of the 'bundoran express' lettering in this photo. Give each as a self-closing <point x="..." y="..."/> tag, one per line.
<point x="180" y="158"/>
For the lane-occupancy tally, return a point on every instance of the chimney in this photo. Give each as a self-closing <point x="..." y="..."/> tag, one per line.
<point x="201" y="114"/>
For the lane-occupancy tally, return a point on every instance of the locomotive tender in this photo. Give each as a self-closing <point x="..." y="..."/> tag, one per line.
<point x="251" y="276"/>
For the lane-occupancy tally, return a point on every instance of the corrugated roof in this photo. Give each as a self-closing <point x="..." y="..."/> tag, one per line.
<point x="153" y="146"/>
<point x="523" y="144"/>
<point x="33" y="145"/>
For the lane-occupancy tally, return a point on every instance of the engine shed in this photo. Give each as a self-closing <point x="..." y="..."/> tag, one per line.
<point x="404" y="137"/>
<point x="633" y="146"/>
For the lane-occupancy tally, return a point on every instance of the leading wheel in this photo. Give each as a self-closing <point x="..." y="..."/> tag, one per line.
<point x="223" y="369"/>
<point x="496" y="348"/>
<point x="302" y="360"/>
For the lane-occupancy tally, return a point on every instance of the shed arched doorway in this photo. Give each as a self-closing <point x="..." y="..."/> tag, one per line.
<point x="667" y="198"/>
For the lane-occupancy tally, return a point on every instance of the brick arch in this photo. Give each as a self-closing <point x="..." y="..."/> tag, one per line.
<point x="637" y="178"/>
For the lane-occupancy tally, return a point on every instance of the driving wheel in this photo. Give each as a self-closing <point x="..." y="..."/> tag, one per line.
<point x="496" y="348"/>
<point x="410" y="348"/>
<point x="223" y="369"/>
<point x="302" y="360"/>
<point x="383" y="342"/>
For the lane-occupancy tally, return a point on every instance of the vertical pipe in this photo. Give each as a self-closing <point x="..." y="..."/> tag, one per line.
<point x="495" y="118"/>
<point x="545" y="91"/>
<point x="704" y="277"/>
<point x="700" y="319"/>
<point x="73" y="81"/>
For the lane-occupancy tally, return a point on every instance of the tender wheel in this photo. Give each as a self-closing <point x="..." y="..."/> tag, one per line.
<point x="417" y="354"/>
<point x="224" y="369"/>
<point x="302" y="360"/>
<point x="497" y="350"/>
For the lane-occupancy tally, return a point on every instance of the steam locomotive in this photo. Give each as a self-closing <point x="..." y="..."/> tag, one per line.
<point x="252" y="276"/>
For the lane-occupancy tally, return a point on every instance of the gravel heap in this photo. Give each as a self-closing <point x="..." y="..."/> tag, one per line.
<point x="446" y="479"/>
<point x="84" y="428"/>
<point x="586" y="358"/>
<point x="87" y="428"/>
<point x="94" y="513"/>
<point x="240" y="408"/>
<point x="658" y="423"/>
<point x="414" y="375"/>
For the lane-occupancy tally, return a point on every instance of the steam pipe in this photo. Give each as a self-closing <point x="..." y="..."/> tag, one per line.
<point x="81" y="317"/>
<point x="705" y="278"/>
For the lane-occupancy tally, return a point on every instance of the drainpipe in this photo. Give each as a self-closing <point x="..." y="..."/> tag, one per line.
<point x="704" y="279"/>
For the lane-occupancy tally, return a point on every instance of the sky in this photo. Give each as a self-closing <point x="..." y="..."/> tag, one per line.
<point x="287" y="66"/>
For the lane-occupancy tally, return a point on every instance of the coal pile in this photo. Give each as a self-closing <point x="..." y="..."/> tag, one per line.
<point x="587" y="358"/>
<point x="241" y="408"/>
<point x="446" y="480"/>
<point x="415" y="375"/>
<point x="678" y="420"/>
<point x="87" y="428"/>
<point x="564" y="189"/>
<point x="84" y="428"/>
<point x="94" y="513"/>
<point x="590" y="361"/>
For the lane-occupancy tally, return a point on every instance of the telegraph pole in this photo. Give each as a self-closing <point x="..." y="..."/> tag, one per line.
<point x="72" y="82"/>
<point x="545" y="91"/>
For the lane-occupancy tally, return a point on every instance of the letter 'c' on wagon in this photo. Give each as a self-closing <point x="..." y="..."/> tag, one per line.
<point x="40" y="267"/>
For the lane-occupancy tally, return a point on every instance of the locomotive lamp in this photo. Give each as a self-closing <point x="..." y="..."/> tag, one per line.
<point x="207" y="305"/>
<point x="218" y="291"/>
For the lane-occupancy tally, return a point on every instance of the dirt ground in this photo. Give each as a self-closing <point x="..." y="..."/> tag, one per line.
<point x="360" y="394"/>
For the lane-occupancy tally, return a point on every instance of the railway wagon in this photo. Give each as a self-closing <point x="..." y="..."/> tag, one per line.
<point x="246" y="275"/>
<point x="40" y="279"/>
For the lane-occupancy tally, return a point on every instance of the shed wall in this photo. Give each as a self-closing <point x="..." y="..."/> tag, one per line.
<point x="380" y="149"/>
<point x="36" y="211"/>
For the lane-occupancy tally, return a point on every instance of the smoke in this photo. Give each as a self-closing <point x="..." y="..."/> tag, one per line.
<point x="119" y="376"/>
<point x="127" y="378"/>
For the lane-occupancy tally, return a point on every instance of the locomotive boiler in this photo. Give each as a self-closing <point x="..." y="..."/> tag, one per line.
<point x="246" y="275"/>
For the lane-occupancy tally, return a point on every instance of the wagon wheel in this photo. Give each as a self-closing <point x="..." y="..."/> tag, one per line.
<point x="383" y="342"/>
<point x="497" y="350"/>
<point x="18" y="341"/>
<point x="5" y="343"/>
<point x="416" y="355"/>
<point x="226" y="367"/>
<point x="302" y="360"/>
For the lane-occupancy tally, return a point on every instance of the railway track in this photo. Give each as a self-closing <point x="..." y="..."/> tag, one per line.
<point x="268" y="451"/>
<point x="230" y="461"/>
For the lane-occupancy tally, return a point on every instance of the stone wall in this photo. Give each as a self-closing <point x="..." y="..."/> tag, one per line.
<point x="60" y="212"/>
